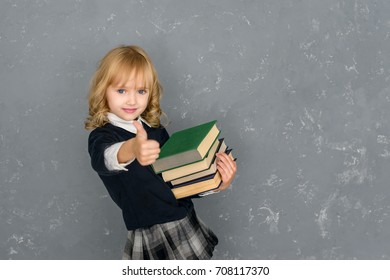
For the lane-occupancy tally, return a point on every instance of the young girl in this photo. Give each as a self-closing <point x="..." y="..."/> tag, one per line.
<point x="124" y="113"/>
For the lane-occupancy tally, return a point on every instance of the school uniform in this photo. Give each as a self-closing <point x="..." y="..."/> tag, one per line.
<point x="159" y="226"/>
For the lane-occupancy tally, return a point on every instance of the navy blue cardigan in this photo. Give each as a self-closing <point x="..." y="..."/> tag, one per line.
<point x="143" y="196"/>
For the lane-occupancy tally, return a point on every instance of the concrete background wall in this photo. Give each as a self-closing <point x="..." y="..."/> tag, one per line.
<point x="300" y="90"/>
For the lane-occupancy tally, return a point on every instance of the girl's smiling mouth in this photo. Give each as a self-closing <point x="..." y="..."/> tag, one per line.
<point x="129" y="110"/>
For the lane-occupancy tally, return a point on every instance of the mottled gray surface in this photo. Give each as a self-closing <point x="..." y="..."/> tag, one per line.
<point x="300" y="90"/>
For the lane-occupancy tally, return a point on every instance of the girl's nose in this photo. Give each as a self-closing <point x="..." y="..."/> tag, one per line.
<point x="131" y="98"/>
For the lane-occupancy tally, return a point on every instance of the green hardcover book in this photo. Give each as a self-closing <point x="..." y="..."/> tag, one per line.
<point x="186" y="146"/>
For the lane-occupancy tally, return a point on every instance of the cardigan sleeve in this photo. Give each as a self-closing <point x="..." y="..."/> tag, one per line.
<point x="99" y="140"/>
<point x="111" y="158"/>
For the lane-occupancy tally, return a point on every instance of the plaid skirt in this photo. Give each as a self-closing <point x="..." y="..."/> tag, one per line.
<point x="185" y="239"/>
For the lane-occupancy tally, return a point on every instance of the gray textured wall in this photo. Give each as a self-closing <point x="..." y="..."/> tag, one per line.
<point x="300" y="90"/>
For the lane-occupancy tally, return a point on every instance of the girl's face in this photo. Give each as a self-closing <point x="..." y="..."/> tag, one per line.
<point x="128" y="99"/>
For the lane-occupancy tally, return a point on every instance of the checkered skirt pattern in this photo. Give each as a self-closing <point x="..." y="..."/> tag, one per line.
<point x="185" y="239"/>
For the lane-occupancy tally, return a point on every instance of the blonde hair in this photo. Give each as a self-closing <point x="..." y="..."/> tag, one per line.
<point x="120" y="63"/>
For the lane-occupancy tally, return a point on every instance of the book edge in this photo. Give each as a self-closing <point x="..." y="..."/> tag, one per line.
<point x="194" y="190"/>
<point x="179" y="180"/>
<point x="168" y="176"/>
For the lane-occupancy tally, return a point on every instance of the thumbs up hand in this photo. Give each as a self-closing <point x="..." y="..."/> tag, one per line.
<point x="146" y="151"/>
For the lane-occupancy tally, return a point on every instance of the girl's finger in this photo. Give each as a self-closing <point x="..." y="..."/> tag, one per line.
<point x="223" y="169"/>
<point x="228" y="166"/>
<point x="228" y="160"/>
<point x="226" y="175"/>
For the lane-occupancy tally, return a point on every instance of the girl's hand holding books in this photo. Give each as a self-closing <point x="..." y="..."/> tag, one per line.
<point x="227" y="167"/>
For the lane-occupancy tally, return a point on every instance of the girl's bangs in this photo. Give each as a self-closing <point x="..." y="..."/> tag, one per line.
<point x="138" y="69"/>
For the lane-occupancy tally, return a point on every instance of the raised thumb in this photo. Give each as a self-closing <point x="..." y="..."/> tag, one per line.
<point x="141" y="132"/>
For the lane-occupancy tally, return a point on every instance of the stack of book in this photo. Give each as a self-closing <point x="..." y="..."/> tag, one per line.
<point x="188" y="160"/>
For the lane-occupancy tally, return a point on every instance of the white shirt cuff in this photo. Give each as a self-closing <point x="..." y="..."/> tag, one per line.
<point x="111" y="158"/>
<point x="208" y="193"/>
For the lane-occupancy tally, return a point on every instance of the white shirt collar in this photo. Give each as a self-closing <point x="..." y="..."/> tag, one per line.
<point x="126" y="125"/>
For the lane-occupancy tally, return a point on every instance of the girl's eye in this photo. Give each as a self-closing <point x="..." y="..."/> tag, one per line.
<point x="121" y="91"/>
<point x="142" y="91"/>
